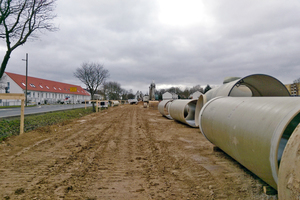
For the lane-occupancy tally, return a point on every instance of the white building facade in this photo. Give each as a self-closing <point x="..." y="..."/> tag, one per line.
<point x="40" y="91"/>
<point x="168" y="96"/>
<point x="195" y="95"/>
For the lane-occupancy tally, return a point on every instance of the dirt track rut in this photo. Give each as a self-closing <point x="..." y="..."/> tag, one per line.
<point x="126" y="152"/>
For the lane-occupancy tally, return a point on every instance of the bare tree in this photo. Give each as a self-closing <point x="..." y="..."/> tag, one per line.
<point x="92" y="75"/>
<point x="113" y="89"/>
<point x="297" y="80"/>
<point x="20" y="19"/>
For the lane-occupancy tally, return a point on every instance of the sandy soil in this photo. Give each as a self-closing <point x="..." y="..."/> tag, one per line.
<point x="125" y="152"/>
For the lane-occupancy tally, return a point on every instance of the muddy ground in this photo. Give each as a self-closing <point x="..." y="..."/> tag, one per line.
<point x="125" y="152"/>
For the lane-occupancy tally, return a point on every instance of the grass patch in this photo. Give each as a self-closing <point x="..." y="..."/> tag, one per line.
<point x="9" y="127"/>
<point x="3" y="107"/>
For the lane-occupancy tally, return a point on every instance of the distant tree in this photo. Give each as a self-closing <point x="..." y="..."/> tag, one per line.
<point x="297" y="80"/>
<point x="20" y="19"/>
<point x="92" y="75"/>
<point x="131" y="96"/>
<point x="184" y="94"/>
<point x="207" y="88"/>
<point x="113" y="90"/>
<point x="175" y="90"/>
<point x="124" y="94"/>
<point x="196" y="88"/>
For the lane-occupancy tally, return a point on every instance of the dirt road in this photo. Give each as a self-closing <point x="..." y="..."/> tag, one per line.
<point x="125" y="152"/>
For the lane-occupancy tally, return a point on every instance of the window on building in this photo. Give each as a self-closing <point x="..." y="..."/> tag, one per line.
<point x="54" y="88"/>
<point x="33" y="94"/>
<point x="32" y="85"/>
<point x="41" y="86"/>
<point x="23" y="84"/>
<point x="47" y="87"/>
<point x="38" y="94"/>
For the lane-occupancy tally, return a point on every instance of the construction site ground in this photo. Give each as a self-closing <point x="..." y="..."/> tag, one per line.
<point x="125" y="152"/>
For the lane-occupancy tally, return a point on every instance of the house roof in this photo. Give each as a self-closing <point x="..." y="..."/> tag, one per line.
<point x="38" y="84"/>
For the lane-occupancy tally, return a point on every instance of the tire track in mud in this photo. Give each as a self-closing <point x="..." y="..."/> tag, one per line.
<point x="50" y="158"/>
<point x="72" y="173"/>
<point x="172" y="174"/>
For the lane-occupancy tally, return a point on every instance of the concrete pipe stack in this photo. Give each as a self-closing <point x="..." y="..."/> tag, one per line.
<point x="255" y="121"/>
<point x="254" y="131"/>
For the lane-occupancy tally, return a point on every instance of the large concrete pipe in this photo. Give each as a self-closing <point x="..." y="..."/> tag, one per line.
<point x="289" y="173"/>
<point x="184" y="111"/>
<point x="252" y="130"/>
<point x="163" y="108"/>
<point x="252" y="85"/>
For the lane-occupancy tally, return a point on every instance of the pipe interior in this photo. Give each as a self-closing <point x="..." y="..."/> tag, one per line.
<point x="286" y="135"/>
<point x="186" y="111"/>
<point x="241" y="91"/>
<point x="166" y="108"/>
<point x="190" y="118"/>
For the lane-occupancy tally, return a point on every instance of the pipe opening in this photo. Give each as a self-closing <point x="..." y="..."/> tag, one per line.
<point x="241" y="91"/>
<point x="286" y="135"/>
<point x="190" y="117"/>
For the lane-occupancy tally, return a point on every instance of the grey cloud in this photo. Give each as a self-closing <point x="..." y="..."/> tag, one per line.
<point x="245" y="37"/>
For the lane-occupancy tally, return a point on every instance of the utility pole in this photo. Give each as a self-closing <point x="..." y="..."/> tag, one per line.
<point x="26" y="78"/>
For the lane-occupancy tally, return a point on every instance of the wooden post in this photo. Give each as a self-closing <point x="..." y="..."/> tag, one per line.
<point x="22" y="117"/>
<point x="96" y="105"/>
<point x="84" y="104"/>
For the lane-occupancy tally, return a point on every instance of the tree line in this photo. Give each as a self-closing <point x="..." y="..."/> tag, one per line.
<point x="182" y="94"/>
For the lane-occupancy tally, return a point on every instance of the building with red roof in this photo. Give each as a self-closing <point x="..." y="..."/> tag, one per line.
<point x="42" y="91"/>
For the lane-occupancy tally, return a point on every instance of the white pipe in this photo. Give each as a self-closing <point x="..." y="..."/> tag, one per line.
<point x="252" y="85"/>
<point x="252" y="130"/>
<point x="289" y="173"/>
<point x="163" y="108"/>
<point x="184" y="111"/>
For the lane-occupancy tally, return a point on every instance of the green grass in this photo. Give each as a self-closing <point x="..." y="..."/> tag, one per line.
<point x="9" y="127"/>
<point x="2" y="107"/>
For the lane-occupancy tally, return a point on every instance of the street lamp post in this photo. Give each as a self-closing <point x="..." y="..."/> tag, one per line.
<point x="26" y="78"/>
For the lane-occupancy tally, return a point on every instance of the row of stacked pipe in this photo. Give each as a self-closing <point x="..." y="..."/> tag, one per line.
<point x="255" y="121"/>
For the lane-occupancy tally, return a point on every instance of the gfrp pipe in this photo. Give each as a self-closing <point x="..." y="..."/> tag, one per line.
<point x="200" y="103"/>
<point x="115" y="103"/>
<point x="252" y="85"/>
<point x="184" y="111"/>
<point x="252" y="130"/>
<point x="163" y="108"/>
<point x="289" y="173"/>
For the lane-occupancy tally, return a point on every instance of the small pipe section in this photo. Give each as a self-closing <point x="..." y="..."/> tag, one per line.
<point x="163" y="108"/>
<point x="252" y="130"/>
<point x="184" y="111"/>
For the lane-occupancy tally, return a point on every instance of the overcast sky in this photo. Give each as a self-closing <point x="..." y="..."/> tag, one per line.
<point x="173" y="42"/>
